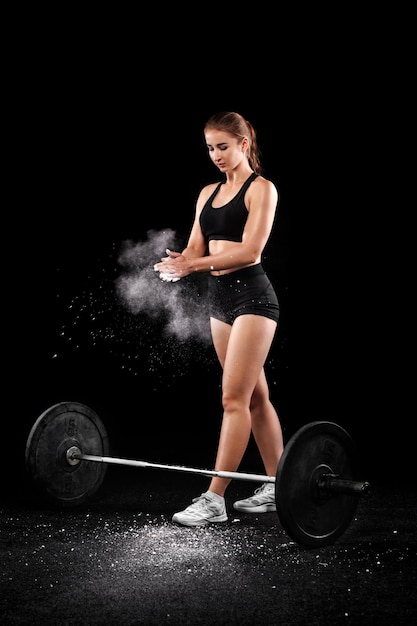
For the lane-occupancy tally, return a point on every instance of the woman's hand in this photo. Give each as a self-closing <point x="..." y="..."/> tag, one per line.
<point x="172" y="267"/>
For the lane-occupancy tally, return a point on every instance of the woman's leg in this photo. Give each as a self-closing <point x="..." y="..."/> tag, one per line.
<point x="266" y="427"/>
<point x="242" y="350"/>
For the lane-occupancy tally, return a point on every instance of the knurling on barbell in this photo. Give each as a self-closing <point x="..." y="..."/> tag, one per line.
<point x="316" y="486"/>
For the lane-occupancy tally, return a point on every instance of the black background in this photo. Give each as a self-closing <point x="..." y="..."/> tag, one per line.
<point x="107" y="147"/>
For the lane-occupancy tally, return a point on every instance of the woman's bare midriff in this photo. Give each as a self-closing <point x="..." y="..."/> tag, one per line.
<point x="217" y="246"/>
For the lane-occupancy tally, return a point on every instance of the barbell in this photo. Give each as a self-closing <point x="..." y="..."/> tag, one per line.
<point x="316" y="490"/>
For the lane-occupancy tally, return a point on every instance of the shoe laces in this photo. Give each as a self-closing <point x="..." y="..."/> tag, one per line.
<point x="200" y="502"/>
<point x="263" y="488"/>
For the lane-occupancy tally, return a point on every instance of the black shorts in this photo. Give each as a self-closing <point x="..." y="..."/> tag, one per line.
<point x="243" y="292"/>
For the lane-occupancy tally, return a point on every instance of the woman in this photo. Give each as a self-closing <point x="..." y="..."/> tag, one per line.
<point x="233" y="222"/>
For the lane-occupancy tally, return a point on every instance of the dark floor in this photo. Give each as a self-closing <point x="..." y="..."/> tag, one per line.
<point x="118" y="559"/>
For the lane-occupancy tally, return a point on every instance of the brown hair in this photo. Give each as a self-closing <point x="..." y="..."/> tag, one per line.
<point x="236" y="125"/>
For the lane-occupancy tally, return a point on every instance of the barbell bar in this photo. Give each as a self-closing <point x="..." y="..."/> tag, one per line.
<point x="74" y="456"/>
<point x="316" y="490"/>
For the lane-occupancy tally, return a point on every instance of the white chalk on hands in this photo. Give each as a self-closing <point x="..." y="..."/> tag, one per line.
<point x="168" y="277"/>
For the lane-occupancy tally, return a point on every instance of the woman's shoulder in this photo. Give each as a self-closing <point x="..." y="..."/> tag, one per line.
<point x="207" y="190"/>
<point x="263" y="183"/>
<point x="264" y="187"/>
<point x="261" y="180"/>
<point x="210" y="187"/>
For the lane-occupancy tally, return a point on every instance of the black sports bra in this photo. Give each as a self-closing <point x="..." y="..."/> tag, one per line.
<point x="228" y="221"/>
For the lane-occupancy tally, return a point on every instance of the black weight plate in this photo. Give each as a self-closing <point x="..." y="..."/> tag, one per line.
<point x="60" y="427"/>
<point x="309" y="517"/>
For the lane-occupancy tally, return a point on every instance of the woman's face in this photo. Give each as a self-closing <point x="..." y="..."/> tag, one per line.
<point x="224" y="149"/>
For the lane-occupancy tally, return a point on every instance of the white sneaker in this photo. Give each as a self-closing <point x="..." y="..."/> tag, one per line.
<point x="207" y="508"/>
<point x="263" y="501"/>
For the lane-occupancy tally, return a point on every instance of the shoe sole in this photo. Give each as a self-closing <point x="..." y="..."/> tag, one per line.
<point x="203" y="522"/>
<point x="261" y="508"/>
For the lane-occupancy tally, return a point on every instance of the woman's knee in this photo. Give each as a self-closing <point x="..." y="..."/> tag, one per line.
<point x="235" y="402"/>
